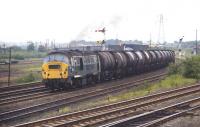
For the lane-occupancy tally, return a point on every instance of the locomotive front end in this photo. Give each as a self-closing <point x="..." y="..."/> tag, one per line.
<point x="55" y="71"/>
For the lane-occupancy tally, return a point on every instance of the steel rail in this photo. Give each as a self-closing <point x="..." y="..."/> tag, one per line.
<point x="8" y="94"/>
<point x="157" y="117"/>
<point x="20" y="113"/>
<point x="25" y="97"/>
<point x="19" y="86"/>
<point x="96" y="119"/>
<point x="74" y="118"/>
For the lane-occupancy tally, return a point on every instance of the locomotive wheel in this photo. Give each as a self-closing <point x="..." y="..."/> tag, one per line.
<point x="52" y="87"/>
<point x="95" y="79"/>
<point x="90" y="80"/>
<point x="72" y="84"/>
<point x="46" y="85"/>
<point x="79" y="83"/>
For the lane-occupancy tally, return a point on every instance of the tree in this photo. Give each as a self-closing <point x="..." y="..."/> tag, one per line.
<point x="16" y="48"/>
<point x="192" y="67"/>
<point x="42" y="48"/>
<point x="189" y="68"/>
<point x="30" y="46"/>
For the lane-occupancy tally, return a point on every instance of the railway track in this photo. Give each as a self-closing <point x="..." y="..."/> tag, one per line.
<point x="13" y="94"/>
<point x="28" y="111"/>
<point x="19" y="86"/>
<point x="9" y="94"/>
<point x="25" y="97"/>
<point x="158" y="117"/>
<point x="9" y="91"/>
<point x="112" y="112"/>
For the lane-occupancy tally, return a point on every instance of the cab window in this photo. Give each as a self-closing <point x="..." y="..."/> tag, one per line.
<point x="56" y="57"/>
<point x="54" y="66"/>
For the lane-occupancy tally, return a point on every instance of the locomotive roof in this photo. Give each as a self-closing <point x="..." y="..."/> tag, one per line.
<point x="71" y="52"/>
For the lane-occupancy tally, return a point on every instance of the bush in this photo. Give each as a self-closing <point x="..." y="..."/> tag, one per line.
<point x="192" y="67"/>
<point x="189" y="68"/>
<point x="18" y="57"/>
<point x="175" y="69"/>
<point x="27" y="78"/>
<point x="21" y="55"/>
<point x="172" y="81"/>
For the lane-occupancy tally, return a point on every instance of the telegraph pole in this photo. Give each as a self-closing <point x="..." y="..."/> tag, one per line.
<point x="9" y="66"/>
<point x="196" y="43"/>
<point x="150" y="41"/>
<point x="161" y="31"/>
<point x="4" y="47"/>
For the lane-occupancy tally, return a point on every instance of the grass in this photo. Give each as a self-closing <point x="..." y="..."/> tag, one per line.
<point x="23" y="68"/>
<point x="22" y="54"/>
<point x="30" y="77"/>
<point x="20" y="71"/>
<point x="34" y="68"/>
<point x="170" y="82"/>
<point x="63" y="110"/>
<point x="190" y="67"/>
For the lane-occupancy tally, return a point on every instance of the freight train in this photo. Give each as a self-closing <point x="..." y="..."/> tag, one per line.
<point x="66" y="69"/>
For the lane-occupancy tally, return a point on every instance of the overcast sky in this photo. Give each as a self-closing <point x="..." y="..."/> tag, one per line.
<point x="66" y="20"/>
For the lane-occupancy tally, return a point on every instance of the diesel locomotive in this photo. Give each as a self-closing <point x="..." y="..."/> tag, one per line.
<point x="64" y="69"/>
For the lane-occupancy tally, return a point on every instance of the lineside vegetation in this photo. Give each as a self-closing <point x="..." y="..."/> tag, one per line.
<point x="189" y="68"/>
<point x="30" y="77"/>
<point x="170" y="82"/>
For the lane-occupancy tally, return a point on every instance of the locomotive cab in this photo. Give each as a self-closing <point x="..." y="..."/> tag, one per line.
<point x="55" y="69"/>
